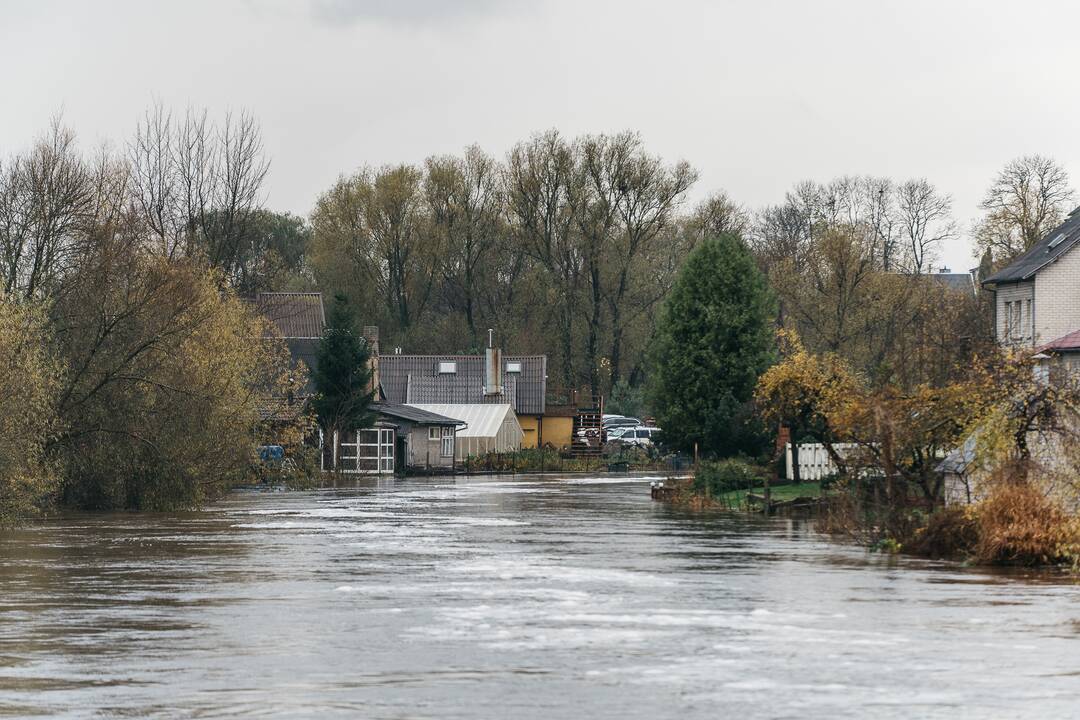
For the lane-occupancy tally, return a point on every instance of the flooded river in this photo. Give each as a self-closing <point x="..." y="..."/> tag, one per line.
<point x="511" y="598"/>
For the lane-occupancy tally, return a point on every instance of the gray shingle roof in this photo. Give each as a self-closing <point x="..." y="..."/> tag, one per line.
<point x="1041" y="254"/>
<point x="299" y="319"/>
<point x="961" y="282"/>
<point x="295" y="315"/>
<point x="415" y="379"/>
<point x="414" y="415"/>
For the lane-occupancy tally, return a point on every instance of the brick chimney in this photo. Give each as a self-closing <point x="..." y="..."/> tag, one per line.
<point x="371" y="335"/>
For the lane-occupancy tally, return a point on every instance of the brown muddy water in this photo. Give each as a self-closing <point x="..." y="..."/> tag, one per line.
<point x="512" y="597"/>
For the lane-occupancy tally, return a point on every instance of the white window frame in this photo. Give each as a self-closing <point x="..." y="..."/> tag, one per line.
<point x="447" y="448"/>
<point x="447" y="367"/>
<point x="433" y="433"/>
<point x="1008" y="319"/>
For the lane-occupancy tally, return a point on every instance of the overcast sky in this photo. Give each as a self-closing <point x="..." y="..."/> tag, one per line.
<point x="757" y="94"/>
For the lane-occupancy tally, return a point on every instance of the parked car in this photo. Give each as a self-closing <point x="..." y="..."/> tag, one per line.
<point x="592" y="436"/>
<point x="613" y="421"/>
<point x="641" y="436"/>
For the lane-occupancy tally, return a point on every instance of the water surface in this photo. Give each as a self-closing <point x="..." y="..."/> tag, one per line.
<point x="512" y="597"/>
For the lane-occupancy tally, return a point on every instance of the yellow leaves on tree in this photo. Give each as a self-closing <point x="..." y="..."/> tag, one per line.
<point x="30" y="378"/>
<point x="802" y="391"/>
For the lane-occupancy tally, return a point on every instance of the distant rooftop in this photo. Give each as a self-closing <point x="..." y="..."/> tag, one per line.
<point x="296" y="315"/>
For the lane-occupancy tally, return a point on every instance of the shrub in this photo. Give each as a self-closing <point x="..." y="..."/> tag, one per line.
<point x="1018" y="525"/>
<point x="951" y="532"/>
<point x="723" y="476"/>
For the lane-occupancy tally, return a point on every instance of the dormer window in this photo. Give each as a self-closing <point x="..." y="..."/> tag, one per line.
<point x="513" y="367"/>
<point x="447" y="367"/>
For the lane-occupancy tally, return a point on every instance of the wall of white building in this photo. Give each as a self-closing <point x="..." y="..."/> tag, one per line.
<point x="1015" y="305"/>
<point x="1057" y="294"/>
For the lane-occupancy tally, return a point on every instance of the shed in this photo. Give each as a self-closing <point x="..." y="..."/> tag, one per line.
<point x="426" y="439"/>
<point x="488" y="428"/>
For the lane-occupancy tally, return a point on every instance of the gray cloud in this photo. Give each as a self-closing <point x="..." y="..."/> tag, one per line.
<point x="406" y="12"/>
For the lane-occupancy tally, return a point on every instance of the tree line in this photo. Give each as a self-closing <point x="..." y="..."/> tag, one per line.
<point x="568" y="246"/>
<point x="127" y="268"/>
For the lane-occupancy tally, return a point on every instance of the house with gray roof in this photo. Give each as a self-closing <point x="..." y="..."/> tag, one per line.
<point x="299" y="319"/>
<point x="1037" y="295"/>
<point x="517" y="381"/>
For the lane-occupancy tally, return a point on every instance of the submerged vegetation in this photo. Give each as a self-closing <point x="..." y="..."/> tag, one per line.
<point x="135" y="377"/>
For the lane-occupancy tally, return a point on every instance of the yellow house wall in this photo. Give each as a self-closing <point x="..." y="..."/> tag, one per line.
<point x="558" y="431"/>
<point x="529" y="426"/>
<point x="555" y="431"/>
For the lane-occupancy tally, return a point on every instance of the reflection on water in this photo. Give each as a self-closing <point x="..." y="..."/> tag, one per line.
<point x="511" y="597"/>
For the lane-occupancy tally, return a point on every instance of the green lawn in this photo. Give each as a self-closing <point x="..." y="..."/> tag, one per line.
<point x="780" y="493"/>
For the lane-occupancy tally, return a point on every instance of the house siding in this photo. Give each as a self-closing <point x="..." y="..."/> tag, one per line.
<point x="1024" y="293"/>
<point x="424" y="452"/>
<point x="1057" y="290"/>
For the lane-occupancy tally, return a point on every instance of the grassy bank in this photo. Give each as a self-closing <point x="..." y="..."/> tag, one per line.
<point x="778" y="493"/>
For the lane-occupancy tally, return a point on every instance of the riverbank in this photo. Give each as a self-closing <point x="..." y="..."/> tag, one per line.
<point x="1014" y="525"/>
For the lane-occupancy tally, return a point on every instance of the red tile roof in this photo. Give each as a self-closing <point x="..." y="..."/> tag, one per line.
<point x="1065" y="343"/>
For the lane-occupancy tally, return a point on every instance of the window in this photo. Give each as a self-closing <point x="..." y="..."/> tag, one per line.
<point x="1029" y="319"/>
<point x="513" y="367"/>
<point x="1017" y="324"/>
<point x="447" y="442"/>
<point x="1008" y="320"/>
<point x="433" y="433"/>
<point x="447" y="367"/>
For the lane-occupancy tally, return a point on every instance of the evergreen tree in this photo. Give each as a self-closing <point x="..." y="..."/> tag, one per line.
<point x="342" y="379"/>
<point x="715" y="338"/>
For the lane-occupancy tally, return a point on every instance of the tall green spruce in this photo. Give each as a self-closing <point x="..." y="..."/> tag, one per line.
<point x="342" y="396"/>
<point x="715" y="338"/>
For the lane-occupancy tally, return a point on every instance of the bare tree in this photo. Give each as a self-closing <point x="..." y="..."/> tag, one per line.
<point x="464" y="196"/>
<point x="46" y="204"/>
<point x="197" y="186"/>
<point x="651" y="193"/>
<point x="600" y="180"/>
<point x="925" y="219"/>
<point x="718" y="214"/>
<point x="538" y="174"/>
<point x="1027" y="199"/>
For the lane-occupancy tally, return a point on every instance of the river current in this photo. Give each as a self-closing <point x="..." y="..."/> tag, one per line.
<point x="512" y="597"/>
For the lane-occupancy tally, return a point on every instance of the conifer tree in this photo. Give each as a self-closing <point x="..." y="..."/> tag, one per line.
<point x="342" y="378"/>
<point x="715" y="338"/>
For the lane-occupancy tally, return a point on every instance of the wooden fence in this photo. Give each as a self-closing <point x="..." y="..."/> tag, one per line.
<point x="814" y="460"/>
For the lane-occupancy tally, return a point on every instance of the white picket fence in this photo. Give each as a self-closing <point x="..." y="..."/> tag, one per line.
<point x="814" y="460"/>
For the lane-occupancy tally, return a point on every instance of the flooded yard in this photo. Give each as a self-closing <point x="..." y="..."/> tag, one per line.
<point x="520" y="597"/>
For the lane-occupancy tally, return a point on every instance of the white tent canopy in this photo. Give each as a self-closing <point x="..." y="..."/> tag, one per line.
<point x="489" y="428"/>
